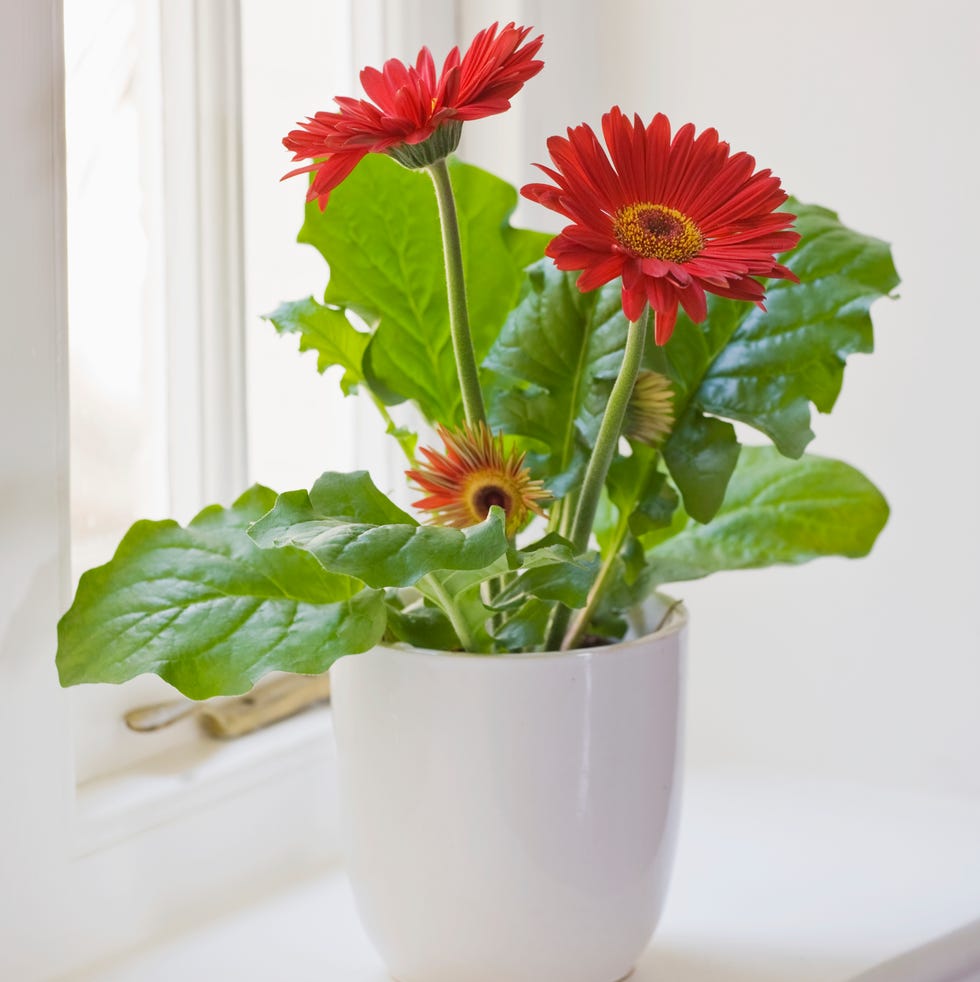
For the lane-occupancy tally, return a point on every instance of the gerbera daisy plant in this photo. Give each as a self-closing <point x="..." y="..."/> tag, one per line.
<point x="583" y="387"/>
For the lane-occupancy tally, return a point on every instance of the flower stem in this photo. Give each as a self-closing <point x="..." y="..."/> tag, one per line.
<point x="568" y="513"/>
<point x="582" y="617"/>
<point x="431" y="585"/>
<point x="610" y="430"/>
<point x="459" y="321"/>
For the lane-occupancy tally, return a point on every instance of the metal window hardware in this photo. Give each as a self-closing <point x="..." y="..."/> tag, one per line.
<point x="236" y="716"/>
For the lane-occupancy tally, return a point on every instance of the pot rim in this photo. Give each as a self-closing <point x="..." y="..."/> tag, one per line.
<point x="675" y="620"/>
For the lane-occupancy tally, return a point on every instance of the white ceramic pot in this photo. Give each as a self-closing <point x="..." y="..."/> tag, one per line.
<point x="511" y="818"/>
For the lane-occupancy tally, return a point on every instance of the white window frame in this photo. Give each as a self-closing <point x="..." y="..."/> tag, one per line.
<point x="84" y="876"/>
<point x="203" y="251"/>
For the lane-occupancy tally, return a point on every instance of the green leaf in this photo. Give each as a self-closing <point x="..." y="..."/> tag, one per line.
<point x="556" y="357"/>
<point x="250" y="506"/>
<point x="380" y="237"/>
<point x="777" y="510"/>
<point x="639" y="489"/>
<point x="461" y="590"/>
<point x="422" y="626"/>
<point x="354" y="497"/>
<point x="550" y="548"/>
<point x="566" y="581"/>
<point x="463" y="586"/>
<point x="210" y="612"/>
<point x="328" y="332"/>
<point x="524" y="629"/>
<point x="396" y="553"/>
<point x="405" y="438"/>
<point x="765" y="368"/>
<point x="701" y="456"/>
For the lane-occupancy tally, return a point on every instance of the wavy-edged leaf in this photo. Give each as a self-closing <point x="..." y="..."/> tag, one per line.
<point x="382" y="555"/>
<point x="777" y="510"/>
<point x="380" y="237"/>
<point x="766" y="368"/>
<point x="328" y="332"/>
<point x="209" y="611"/>
<point x="354" y="497"/>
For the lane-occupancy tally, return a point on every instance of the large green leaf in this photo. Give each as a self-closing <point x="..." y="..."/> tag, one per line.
<point x="328" y="332"/>
<point x="380" y="237"/>
<point x="777" y="510"/>
<point x="765" y="368"/>
<point x="209" y="611"/>
<point x="393" y="552"/>
<point x="555" y="359"/>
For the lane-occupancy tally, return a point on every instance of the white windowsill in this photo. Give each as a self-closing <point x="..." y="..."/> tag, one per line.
<point x="203" y="771"/>
<point x="777" y="880"/>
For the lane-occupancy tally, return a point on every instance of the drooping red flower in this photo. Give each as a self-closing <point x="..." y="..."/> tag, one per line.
<point x="413" y="106"/>
<point x="675" y="218"/>
<point x="473" y="474"/>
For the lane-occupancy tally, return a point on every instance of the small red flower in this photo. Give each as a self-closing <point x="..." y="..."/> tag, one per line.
<point x="473" y="474"/>
<point x="673" y="217"/>
<point x="411" y="105"/>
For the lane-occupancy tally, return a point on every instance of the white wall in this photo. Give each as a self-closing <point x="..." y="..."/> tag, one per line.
<point x="867" y="670"/>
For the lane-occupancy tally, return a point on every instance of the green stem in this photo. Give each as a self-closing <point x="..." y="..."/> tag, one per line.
<point x="568" y="514"/>
<point x="459" y="321"/>
<point x="610" y="430"/>
<point x="459" y="318"/>
<point x="582" y="617"/>
<point x="440" y="595"/>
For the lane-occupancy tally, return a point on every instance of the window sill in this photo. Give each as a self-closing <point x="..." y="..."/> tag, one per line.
<point x="776" y="879"/>
<point x="204" y="771"/>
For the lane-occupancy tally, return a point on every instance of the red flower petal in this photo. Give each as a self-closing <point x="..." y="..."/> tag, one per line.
<point x="679" y="217"/>
<point x="409" y="102"/>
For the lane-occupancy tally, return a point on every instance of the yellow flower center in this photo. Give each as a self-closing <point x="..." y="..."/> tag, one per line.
<point x="657" y="232"/>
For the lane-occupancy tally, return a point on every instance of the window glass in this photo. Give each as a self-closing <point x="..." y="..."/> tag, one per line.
<point x="299" y="424"/>
<point x="295" y="56"/>
<point x="117" y="365"/>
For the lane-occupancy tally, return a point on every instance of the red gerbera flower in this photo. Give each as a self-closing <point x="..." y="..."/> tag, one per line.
<point x="412" y="106"/>
<point x="673" y="218"/>
<point x="473" y="474"/>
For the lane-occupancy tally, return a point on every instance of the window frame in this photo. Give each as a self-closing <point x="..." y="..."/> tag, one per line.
<point x="140" y="855"/>
<point x="203" y="250"/>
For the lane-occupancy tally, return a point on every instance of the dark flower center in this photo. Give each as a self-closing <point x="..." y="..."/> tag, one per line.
<point x="657" y="232"/>
<point x="488" y="496"/>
